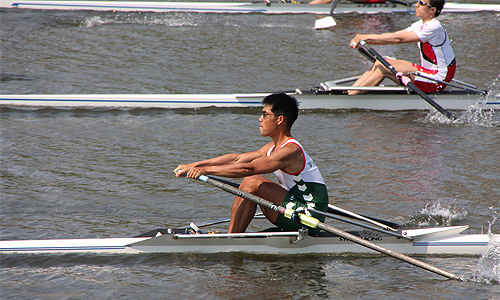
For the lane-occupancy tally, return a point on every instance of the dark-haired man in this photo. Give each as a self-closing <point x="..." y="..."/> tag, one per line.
<point x="301" y="183"/>
<point x="436" y="55"/>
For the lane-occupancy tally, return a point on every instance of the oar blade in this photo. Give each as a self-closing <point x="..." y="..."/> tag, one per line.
<point x="325" y="23"/>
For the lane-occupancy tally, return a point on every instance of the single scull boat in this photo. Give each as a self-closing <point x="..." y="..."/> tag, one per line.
<point x="443" y="240"/>
<point x="329" y="95"/>
<point x="237" y="7"/>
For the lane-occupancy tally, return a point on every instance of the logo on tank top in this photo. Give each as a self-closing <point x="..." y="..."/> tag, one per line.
<point x="311" y="164"/>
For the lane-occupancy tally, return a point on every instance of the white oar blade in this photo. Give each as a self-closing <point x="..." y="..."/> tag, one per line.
<point x="324" y="23"/>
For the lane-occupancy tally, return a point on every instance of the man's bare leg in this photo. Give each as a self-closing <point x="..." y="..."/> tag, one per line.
<point x="243" y="210"/>
<point x="376" y="74"/>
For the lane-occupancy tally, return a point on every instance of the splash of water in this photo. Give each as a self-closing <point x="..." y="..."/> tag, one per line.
<point x="437" y="214"/>
<point x="488" y="267"/>
<point x="478" y="114"/>
<point x="94" y="21"/>
<point x="435" y="117"/>
<point x="482" y="114"/>
<point x="140" y="18"/>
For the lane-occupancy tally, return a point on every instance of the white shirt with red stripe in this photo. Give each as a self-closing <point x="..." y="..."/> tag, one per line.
<point x="309" y="172"/>
<point x="436" y="53"/>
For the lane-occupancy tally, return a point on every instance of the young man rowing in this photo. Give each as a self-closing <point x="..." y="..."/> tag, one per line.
<point x="436" y="55"/>
<point x="301" y="183"/>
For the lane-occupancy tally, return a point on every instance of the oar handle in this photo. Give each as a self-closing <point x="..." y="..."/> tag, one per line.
<point x="410" y="84"/>
<point x="367" y="54"/>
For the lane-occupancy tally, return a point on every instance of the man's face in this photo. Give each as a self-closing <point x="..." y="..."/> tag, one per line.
<point x="268" y="121"/>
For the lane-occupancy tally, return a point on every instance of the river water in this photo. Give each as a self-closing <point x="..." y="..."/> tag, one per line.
<point x="88" y="173"/>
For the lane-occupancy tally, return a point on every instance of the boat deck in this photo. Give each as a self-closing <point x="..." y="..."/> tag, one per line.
<point x="446" y="240"/>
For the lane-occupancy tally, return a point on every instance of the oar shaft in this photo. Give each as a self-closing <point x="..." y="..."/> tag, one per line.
<point x="359" y="217"/>
<point x="410" y="84"/>
<point x="386" y="251"/>
<point x="240" y="193"/>
<point x="339" y="211"/>
<point x="464" y="86"/>
<point x="385" y="231"/>
<point x="315" y="223"/>
<point x="334" y="4"/>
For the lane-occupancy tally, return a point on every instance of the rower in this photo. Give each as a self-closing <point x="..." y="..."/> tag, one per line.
<point x="436" y="55"/>
<point x="301" y="183"/>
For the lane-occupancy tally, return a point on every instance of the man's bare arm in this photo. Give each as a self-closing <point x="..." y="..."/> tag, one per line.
<point x="227" y="159"/>
<point x="289" y="157"/>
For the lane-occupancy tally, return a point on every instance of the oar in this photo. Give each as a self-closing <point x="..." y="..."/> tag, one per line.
<point x="315" y="223"/>
<point x="463" y="85"/>
<point x="408" y="83"/>
<point x="383" y="230"/>
<point x="380" y="223"/>
<point x="460" y="85"/>
<point x="327" y="22"/>
<point x="385" y="225"/>
<point x="340" y="211"/>
<point x="367" y="54"/>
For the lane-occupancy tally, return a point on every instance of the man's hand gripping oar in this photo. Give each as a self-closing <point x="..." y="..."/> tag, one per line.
<point x="315" y="223"/>
<point x="370" y="52"/>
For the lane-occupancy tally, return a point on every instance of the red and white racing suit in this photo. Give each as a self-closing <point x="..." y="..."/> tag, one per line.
<point x="436" y="55"/>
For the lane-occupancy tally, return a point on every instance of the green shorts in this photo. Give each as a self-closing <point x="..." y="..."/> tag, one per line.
<point x="320" y="200"/>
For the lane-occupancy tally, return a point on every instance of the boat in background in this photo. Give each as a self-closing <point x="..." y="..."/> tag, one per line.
<point x="365" y="7"/>
<point x="328" y="95"/>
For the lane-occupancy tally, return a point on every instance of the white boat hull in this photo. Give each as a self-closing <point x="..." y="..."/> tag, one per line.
<point x="103" y="245"/>
<point x="447" y="240"/>
<point x="235" y="7"/>
<point x="379" y="101"/>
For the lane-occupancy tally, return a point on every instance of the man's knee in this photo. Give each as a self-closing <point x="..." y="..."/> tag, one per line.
<point x="251" y="184"/>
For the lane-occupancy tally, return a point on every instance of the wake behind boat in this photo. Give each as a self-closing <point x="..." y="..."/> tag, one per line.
<point x="240" y="7"/>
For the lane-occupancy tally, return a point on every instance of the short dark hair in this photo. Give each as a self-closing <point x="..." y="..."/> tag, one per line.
<point x="438" y="4"/>
<point x="283" y="105"/>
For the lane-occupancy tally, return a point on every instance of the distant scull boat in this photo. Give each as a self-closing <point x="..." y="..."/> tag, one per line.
<point x="237" y="7"/>
<point x="329" y="95"/>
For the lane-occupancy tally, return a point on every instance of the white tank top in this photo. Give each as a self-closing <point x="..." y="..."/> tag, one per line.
<point x="435" y="47"/>
<point x="309" y="172"/>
